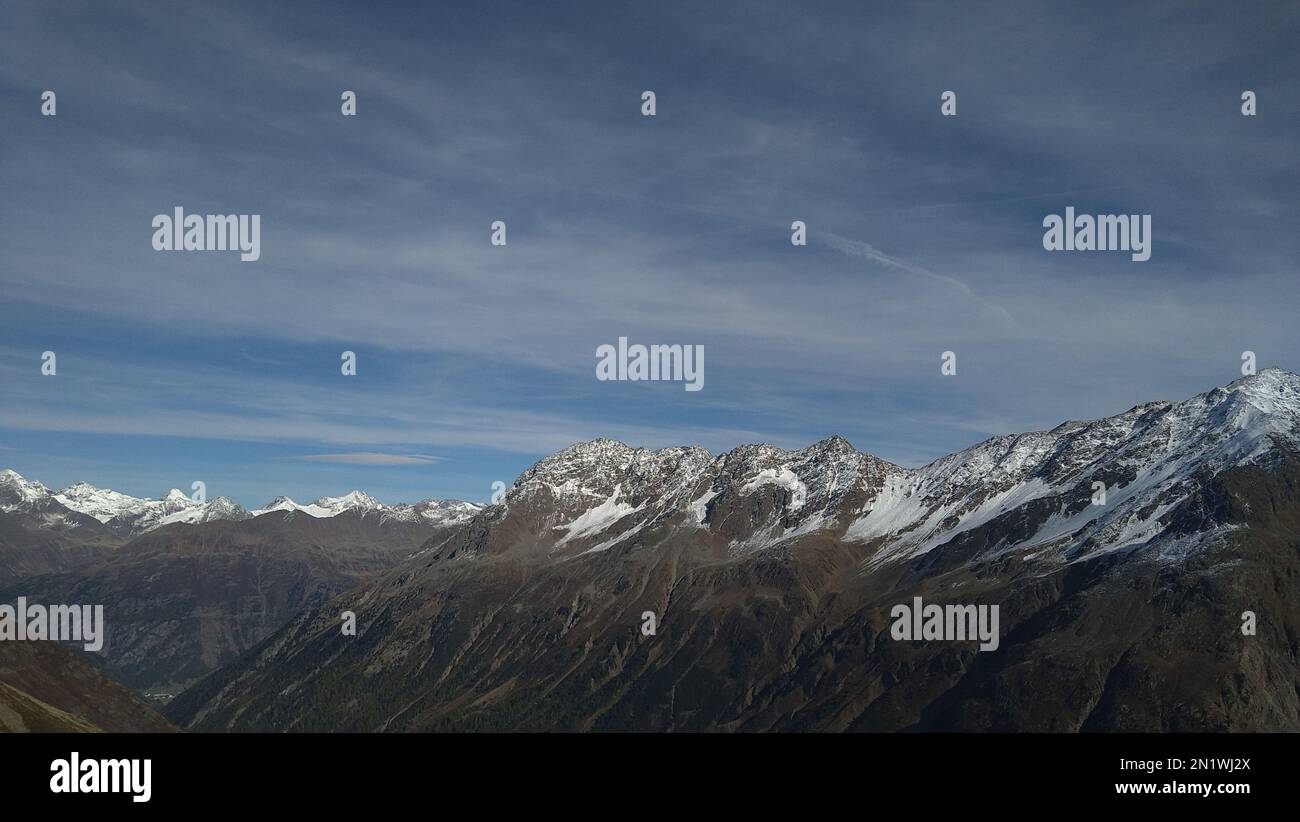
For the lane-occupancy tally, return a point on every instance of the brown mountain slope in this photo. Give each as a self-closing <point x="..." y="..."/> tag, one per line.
<point x="50" y="540"/>
<point x="183" y="600"/>
<point x="22" y="713"/>
<point x="46" y="687"/>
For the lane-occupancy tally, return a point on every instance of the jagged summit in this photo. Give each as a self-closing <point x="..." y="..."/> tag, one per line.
<point x="1272" y="391"/>
<point x="1271" y="378"/>
<point x="834" y="443"/>
<point x="599" y="493"/>
<point x="605" y="450"/>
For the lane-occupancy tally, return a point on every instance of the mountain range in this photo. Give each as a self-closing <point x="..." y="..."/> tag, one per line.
<point x="1124" y="553"/>
<point x="621" y="588"/>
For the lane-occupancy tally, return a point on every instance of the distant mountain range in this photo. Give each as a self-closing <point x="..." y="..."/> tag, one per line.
<point x="441" y="512"/>
<point x="187" y="585"/>
<point x="130" y="516"/>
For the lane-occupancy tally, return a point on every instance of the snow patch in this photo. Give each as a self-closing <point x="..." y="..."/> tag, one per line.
<point x="595" y="520"/>
<point x="784" y="478"/>
<point x="699" y="507"/>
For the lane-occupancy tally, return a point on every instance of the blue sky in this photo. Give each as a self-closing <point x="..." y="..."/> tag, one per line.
<point x="473" y="361"/>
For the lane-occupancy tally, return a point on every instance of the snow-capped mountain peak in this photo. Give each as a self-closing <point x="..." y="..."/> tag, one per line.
<point x="278" y="504"/>
<point x="1147" y="459"/>
<point x="353" y="499"/>
<point x="17" y="491"/>
<point x="1038" y="492"/>
<point x="325" y="506"/>
<point x="101" y="503"/>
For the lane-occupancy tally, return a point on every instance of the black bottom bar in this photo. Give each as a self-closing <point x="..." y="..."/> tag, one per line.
<point x="702" y="773"/>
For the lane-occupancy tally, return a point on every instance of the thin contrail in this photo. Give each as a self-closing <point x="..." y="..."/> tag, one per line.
<point x="857" y="248"/>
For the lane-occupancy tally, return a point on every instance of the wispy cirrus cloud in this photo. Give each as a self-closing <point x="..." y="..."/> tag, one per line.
<point x="668" y="229"/>
<point x="372" y="458"/>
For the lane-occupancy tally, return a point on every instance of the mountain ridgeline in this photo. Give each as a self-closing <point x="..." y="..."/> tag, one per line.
<point x="616" y="588"/>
